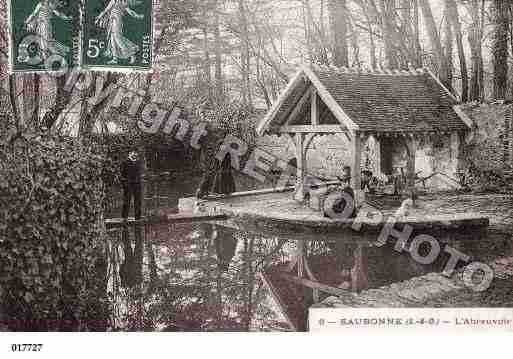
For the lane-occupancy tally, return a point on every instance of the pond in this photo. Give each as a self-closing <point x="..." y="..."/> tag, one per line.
<point x="209" y="277"/>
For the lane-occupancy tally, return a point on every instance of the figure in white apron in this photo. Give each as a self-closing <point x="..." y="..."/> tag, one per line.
<point x="40" y="23"/>
<point x="118" y="46"/>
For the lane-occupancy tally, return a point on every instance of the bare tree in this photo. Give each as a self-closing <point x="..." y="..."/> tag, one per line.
<point x="338" y="26"/>
<point x="448" y="49"/>
<point x="452" y="13"/>
<point x="501" y="17"/>
<point x="219" y="82"/>
<point x="434" y="39"/>
<point x="389" y="27"/>
<point x="476" y="58"/>
<point x="245" y="55"/>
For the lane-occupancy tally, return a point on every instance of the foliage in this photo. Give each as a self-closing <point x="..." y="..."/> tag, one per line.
<point x="234" y="118"/>
<point x="486" y="180"/>
<point x="50" y="235"/>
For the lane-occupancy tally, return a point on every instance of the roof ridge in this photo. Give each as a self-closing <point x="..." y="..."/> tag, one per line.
<point x="368" y="71"/>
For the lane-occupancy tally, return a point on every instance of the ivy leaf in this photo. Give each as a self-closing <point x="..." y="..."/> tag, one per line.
<point x="28" y="297"/>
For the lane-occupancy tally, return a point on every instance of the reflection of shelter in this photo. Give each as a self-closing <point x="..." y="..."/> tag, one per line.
<point x="319" y="275"/>
<point x="401" y="109"/>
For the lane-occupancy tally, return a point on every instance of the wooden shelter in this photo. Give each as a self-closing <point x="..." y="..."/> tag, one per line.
<point x="401" y="105"/>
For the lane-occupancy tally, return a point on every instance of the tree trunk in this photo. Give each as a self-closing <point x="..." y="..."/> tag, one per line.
<point x="206" y="60"/>
<point x="372" y="44"/>
<point x="219" y="85"/>
<point x="338" y="27"/>
<point x="500" y="49"/>
<point x="354" y="45"/>
<point x="408" y="31"/>
<point x="62" y="100"/>
<point x="30" y="99"/>
<point x="307" y="26"/>
<point x="454" y="16"/>
<point x="476" y="77"/>
<point x="37" y="102"/>
<point x="434" y="39"/>
<point x="245" y="58"/>
<point x="448" y="50"/>
<point x="388" y="20"/>
<point x="321" y="46"/>
<point x="416" y="35"/>
<point x="14" y="102"/>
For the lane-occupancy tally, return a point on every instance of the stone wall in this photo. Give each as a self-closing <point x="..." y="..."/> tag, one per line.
<point x="489" y="147"/>
<point x="328" y="154"/>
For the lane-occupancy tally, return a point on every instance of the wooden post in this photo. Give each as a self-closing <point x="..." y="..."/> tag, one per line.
<point x="359" y="276"/>
<point x="455" y="153"/>
<point x="300" y="259"/>
<point x="356" y="172"/>
<point x="301" y="167"/>
<point x="410" y="166"/>
<point x="314" y="113"/>
<point x="377" y="150"/>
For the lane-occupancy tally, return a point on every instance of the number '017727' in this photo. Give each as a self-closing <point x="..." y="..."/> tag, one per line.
<point x="26" y="347"/>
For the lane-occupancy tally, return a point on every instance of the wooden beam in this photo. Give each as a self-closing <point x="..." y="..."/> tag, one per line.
<point x="329" y="101"/>
<point x="300" y="253"/>
<point x="297" y="109"/>
<point x="267" y="120"/>
<point x="308" y="140"/>
<point x="171" y="218"/>
<point x="313" y="285"/>
<point x="377" y="152"/>
<point x="410" y="165"/>
<point x="359" y="276"/>
<point x="356" y="180"/>
<point x="314" y="113"/>
<point x="312" y="129"/>
<point x="463" y="116"/>
<point x="275" y="294"/>
<point x="301" y="167"/>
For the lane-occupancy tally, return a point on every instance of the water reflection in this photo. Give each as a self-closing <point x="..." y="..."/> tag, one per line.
<point x="199" y="277"/>
<point x="211" y="277"/>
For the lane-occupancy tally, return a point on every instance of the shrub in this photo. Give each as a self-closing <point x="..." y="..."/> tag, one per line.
<point x="236" y="119"/>
<point x="51" y="226"/>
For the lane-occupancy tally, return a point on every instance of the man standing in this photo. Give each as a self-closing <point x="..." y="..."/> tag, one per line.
<point x="131" y="177"/>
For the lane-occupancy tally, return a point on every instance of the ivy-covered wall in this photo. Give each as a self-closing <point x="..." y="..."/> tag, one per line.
<point x="490" y="148"/>
<point x="51" y="235"/>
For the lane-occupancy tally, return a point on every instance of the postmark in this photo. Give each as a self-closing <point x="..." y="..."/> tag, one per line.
<point x="118" y="35"/>
<point x="43" y="35"/>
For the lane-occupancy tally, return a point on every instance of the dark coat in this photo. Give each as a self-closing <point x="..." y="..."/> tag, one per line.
<point x="223" y="181"/>
<point x="131" y="172"/>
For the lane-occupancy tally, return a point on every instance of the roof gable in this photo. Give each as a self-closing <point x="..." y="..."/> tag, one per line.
<point x="399" y="101"/>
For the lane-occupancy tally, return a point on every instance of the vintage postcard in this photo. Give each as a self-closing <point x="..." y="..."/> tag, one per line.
<point x="43" y="35"/>
<point x="118" y="35"/>
<point x="257" y="166"/>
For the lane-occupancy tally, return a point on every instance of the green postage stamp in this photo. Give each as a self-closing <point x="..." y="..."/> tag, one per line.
<point x="117" y="35"/>
<point x="44" y="35"/>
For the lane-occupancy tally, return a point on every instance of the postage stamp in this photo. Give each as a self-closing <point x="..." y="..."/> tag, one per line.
<point x="44" y="35"/>
<point x="118" y="35"/>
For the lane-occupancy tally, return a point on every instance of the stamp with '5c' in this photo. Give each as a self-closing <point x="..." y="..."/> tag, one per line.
<point x="117" y="35"/>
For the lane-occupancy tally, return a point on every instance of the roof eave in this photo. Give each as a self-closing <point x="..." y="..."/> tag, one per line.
<point x="263" y="126"/>
<point x="323" y="93"/>
<point x="446" y="90"/>
<point x="463" y="116"/>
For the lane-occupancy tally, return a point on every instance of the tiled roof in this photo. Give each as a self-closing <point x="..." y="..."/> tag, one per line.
<point x="384" y="101"/>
